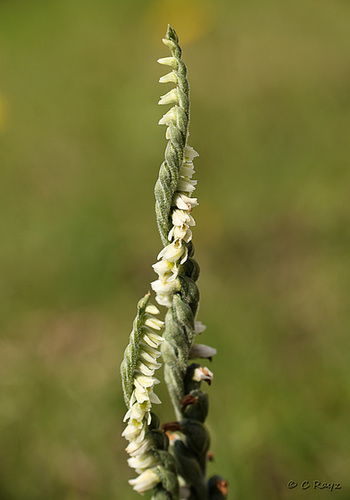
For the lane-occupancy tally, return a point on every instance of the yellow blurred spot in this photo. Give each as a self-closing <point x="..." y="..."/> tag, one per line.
<point x="2" y="113"/>
<point x="191" y="19"/>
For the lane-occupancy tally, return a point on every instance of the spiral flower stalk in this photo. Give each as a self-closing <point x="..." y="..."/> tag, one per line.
<point x="176" y="268"/>
<point x="177" y="120"/>
<point x="147" y="450"/>
<point x="176" y="453"/>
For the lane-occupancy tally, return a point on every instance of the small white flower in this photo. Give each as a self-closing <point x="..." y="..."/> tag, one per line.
<point x="184" y="258"/>
<point x="184" y="202"/>
<point x="168" y="78"/>
<point x="150" y="342"/>
<point x="153" y="365"/>
<point x="140" y="394"/>
<point x="149" y="350"/>
<point x="202" y="373"/>
<point x="168" y="43"/>
<point x="172" y="97"/>
<point x="145" y="481"/>
<point x="164" y="299"/>
<point x="142" y="461"/>
<point x="145" y="370"/>
<point x="190" y="153"/>
<point x="148" y="357"/>
<point x="134" y="448"/>
<point x="168" y="61"/>
<point x="154" y="337"/>
<point x="186" y="185"/>
<point x="172" y="252"/>
<point x="144" y="382"/>
<point x="154" y="323"/>
<point x="202" y="351"/>
<point x="137" y="411"/>
<point x="187" y="170"/>
<point x="181" y="233"/>
<point x="181" y="217"/>
<point x="164" y="267"/>
<point x="164" y="287"/>
<point x="134" y="431"/>
<point x="199" y="327"/>
<point x="154" y="398"/>
<point x="170" y="116"/>
<point x="152" y="309"/>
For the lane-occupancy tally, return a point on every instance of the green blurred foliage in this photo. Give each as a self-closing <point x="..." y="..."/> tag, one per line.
<point x="80" y="151"/>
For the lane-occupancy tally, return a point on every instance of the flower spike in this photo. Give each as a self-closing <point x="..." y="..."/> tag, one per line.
<point x="137" y="371"/>
<point x="172" y="459"/>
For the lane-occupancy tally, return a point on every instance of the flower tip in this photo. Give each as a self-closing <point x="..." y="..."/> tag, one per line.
<point x="171" y="34"/>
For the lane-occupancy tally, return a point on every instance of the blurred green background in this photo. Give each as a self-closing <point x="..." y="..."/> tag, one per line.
<point x="80" y="152"/>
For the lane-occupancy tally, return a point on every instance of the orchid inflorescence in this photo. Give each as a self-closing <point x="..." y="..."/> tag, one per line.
<point x="171" y="459"/>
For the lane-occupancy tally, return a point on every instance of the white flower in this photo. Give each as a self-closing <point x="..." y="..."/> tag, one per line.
<point x="202" y="373"/>
<point x="164" y="299"/>
<point x="135" y="431"/>
<point x="188" y="186"/>
<point x="145" y="370"/>
<point x="171" y="115"/>
<point x="185" y="202"/>
<point x="199" y="327"/>
<point x="168" y="61"/>
<point x="154" y="323"/>
<point x="154" y="398"/>
<point x="165" y="268"/>
<point x="144" y="382"/>
<point x="172" y="252"/>
<point x="182" y="232"/>
<point x="137" y="411"/>
<point x="151" y="351"/>
<point x="181" y="217"/>
<point x="172" y="97"/>
<point x="145" y="481"/>
<point x="164" y="287"/>
<point x="152" y="339"/>
<point x="168" y="78"/>
<point x="142" y="462"/>
<point x="190" y="153"/>
<point x="202" y="351"/>
<point x="151" y="309"/>
<point x="187" y="170"/>
<point x="146" y="356"/>
<point x="138" y="448"/>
